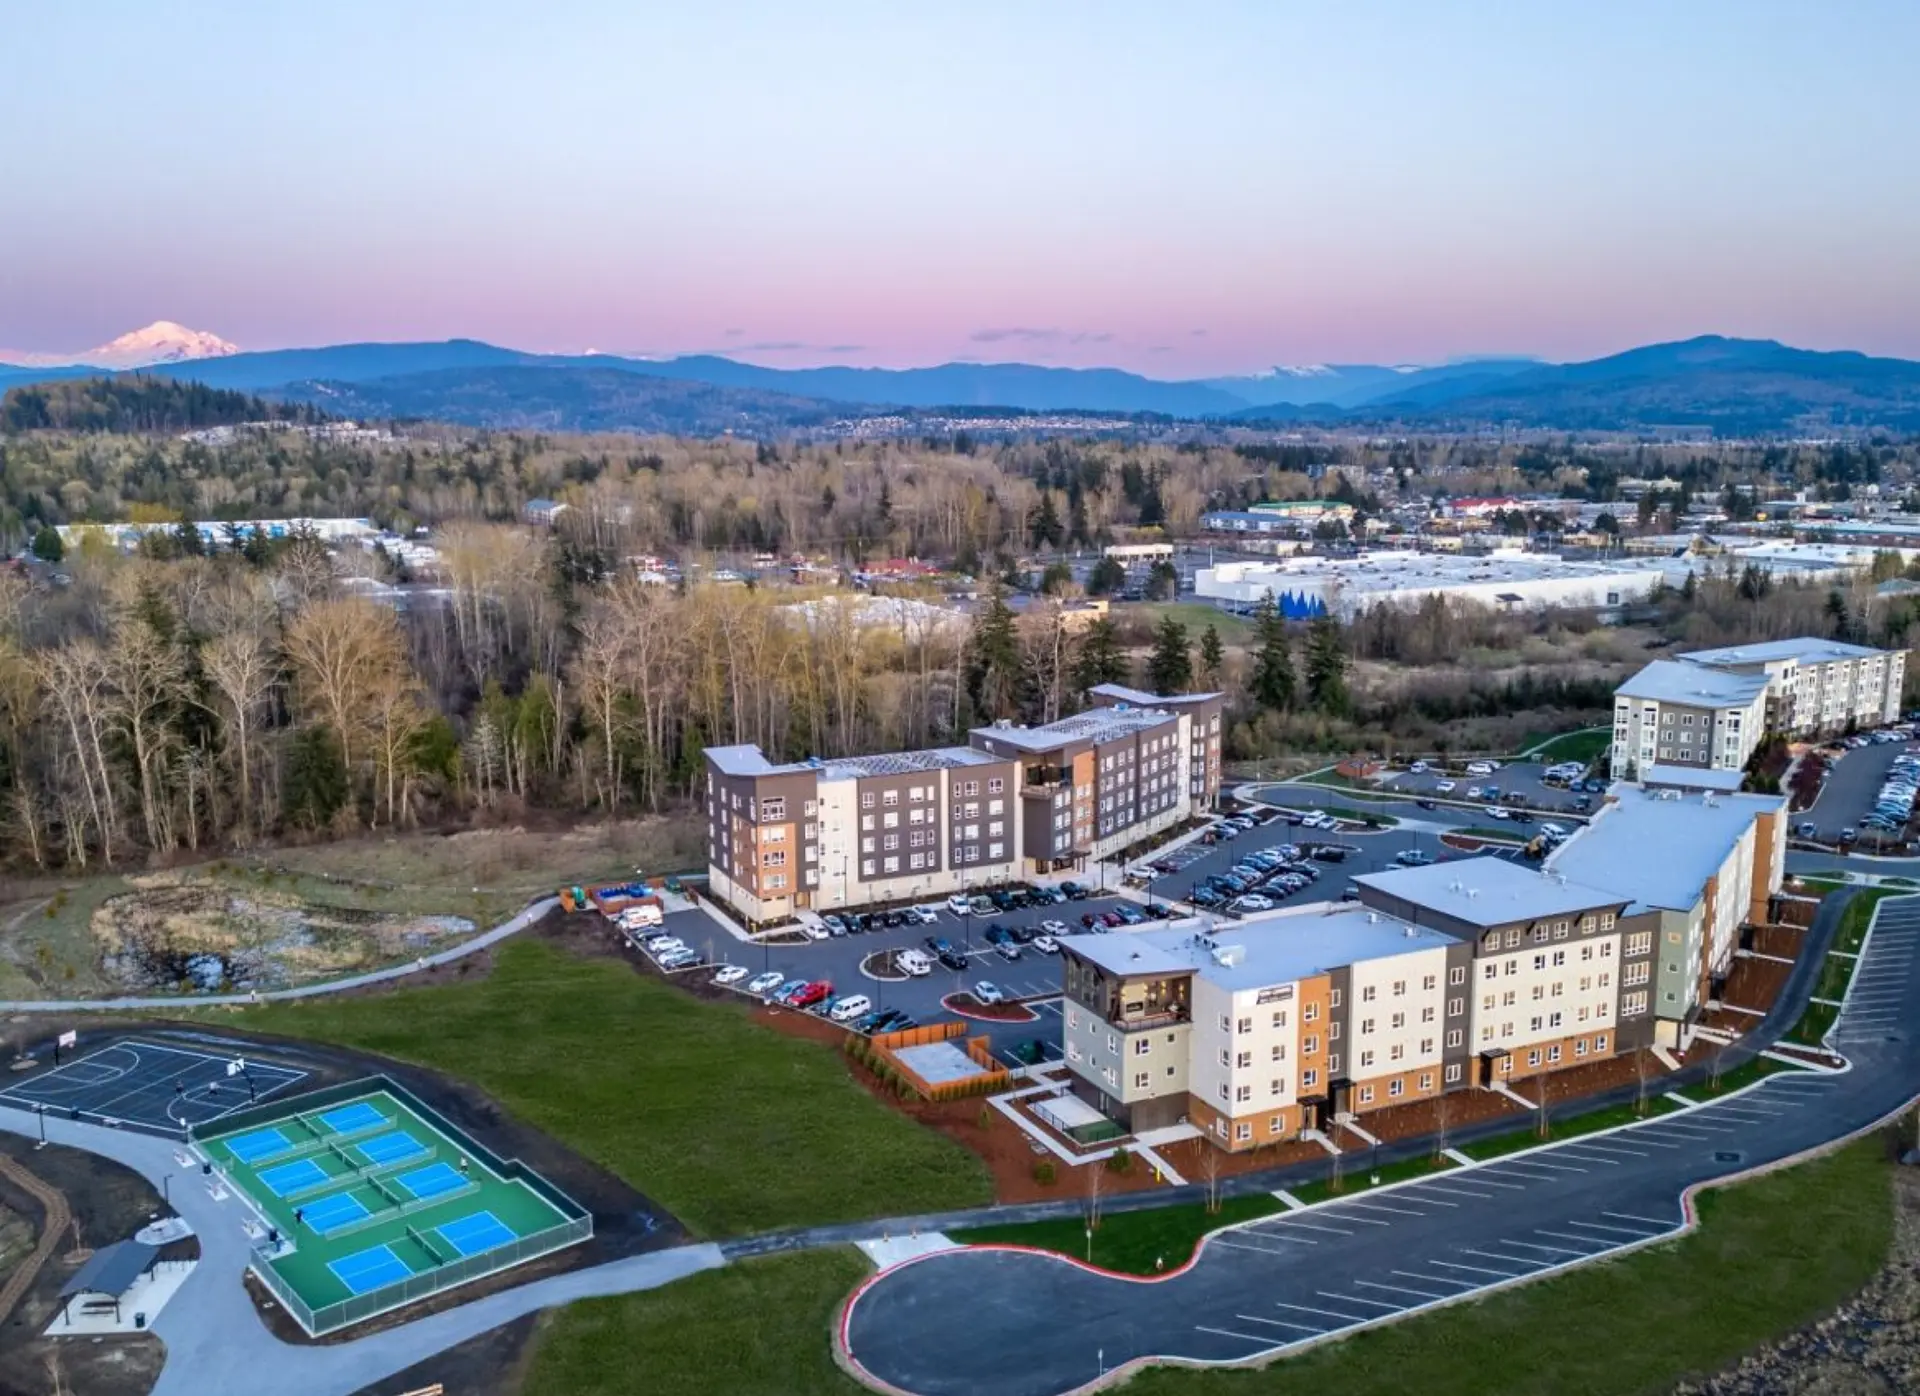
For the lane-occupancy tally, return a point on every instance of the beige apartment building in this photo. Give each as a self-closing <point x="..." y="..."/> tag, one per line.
<point x="1817" y="686"/>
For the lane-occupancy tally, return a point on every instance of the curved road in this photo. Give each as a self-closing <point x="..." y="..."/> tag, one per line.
<point x="1025" y="1323"/>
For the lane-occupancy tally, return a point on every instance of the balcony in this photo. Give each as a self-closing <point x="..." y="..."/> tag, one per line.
<point x="1134" y="1017"/>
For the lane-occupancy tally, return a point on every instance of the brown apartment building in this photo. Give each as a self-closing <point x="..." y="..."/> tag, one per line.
<point x="904" y="826"/>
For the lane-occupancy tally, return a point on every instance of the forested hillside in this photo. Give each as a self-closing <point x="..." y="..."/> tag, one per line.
<point x="136" y="403"/>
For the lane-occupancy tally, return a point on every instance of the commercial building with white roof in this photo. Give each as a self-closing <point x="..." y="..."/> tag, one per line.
<point x="1504" y="580"/>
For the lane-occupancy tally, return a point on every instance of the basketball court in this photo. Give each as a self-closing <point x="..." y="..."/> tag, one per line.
<point x="149" y="1086"/>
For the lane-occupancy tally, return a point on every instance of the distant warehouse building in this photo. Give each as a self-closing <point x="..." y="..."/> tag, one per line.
<point x="912" y="825"/>
<point x="1507" y="580"/>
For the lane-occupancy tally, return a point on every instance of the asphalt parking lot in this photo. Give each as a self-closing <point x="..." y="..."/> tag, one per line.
<point x="1851" y="789"/>
<point x="1512" y="778"/>
<point x="1034" y="976"/>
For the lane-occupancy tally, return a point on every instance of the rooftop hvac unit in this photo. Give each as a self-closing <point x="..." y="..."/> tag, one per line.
<point x="1373" y="918"/>
<point x="1228" y="956"/>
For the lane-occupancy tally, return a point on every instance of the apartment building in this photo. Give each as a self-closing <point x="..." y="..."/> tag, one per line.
<point x="1816" y="686"/>
<point x="1560" y="973"/>
<point x="1686" y="717"/>
<point x="1256" y="1033"/>
<point x="1204" y="735"/>
<point x="1701" y="865"/>
<point x="905" y="826"/>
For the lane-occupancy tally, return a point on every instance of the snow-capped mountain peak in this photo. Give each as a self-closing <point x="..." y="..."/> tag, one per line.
<point x="162" y="342"/>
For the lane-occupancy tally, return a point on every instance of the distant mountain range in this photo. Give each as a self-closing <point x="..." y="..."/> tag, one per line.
<point x="1729" y="386"/>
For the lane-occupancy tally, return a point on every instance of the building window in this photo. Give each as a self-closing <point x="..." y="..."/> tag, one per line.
<point x="1243" y="1060"/>
<point x="1457" y="975"/>
<point x="1366" y="994"/>
<point x="1453" y="1038"/>
<point x="996" y="785"/>
<point x="1242" y="1133"/>
<point x="1366" y="1060"/>
<point x="1364" y="1095"/>
<point x="1396" y="1087"/>
<point x="1242" y="1094"/>
<point x="1553" y="1053"/>
<point x="1141" y="1080"/>
<point x="1600" y="1043"/>
<point x="1244" y="1026"/>
<point x="1310" y="1014"/>
<point x="1280" y="1019"/>
<point x="1142" y="1046"/>
<point x="1310" y="1045"/>
<point x="866" y="801"/>
<point x="1455" y="1007"/>
<point x="1453" y="1073"/>
<point x="1533" y="1057"/>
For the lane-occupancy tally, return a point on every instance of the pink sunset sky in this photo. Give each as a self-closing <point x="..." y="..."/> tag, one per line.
<point x="1183" y="191"/>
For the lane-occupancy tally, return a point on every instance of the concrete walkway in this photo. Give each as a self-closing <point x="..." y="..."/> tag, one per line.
<point x="217" y="1343"/>
<point x="306" y="991"/>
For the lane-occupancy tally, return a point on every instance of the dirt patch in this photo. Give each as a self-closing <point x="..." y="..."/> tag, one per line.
<point x="967" y="1006"/>
<point x="192" y="934"/>
<point x="99" y="1202"/>
<point x="1784" y="941"/>
<point x="492" y="1364"/>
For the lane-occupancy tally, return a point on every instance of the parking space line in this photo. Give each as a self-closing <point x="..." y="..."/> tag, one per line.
<point x="1364" y="1221"/>
<point x="1570" y="1236"/>
<point x="1480" y="1180"/>
<point x="1263" y="1341"/>
<point x="1234" y="1243"/>
<point x="1483" y="1270"/>
<point x="1420" y="1195"/>
<point x="1310" y="1226"/>
<point x="1399" y="1289"/>
<point x="1432" y="1279"/>
<point x="1361" y="1298"/>
<point x="1282" y="1323"/>
<point x="1633" y="1217"/>
<point x="1536" y="1246"/>
<point x="1547" y="1171"/>
<point x="1397" y="1211"/>
<point x="1603" y="1145"/>
<point x="1455" y="1191"/>
<point x="1324" y="1313"/>
<point x="1617" y="1230"/>
<point x="1571" y="1151"/>
<point x="1509" y="1259"/>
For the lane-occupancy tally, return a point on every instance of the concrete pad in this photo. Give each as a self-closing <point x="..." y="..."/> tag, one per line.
<point x="893" y="1250"/>
<point x="148" y="1296"/>
<point x="937" y="1063"/>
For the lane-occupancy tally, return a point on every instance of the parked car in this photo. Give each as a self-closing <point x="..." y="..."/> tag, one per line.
<point x="1046" y="945"/>
<point x="730" y="974"/>
<point x="913" y="962"/>
<point x="958" y="905"/>
<point x="1253" y="901"/>
<point x="952" y="959"/>
<point x="815" y="930"/>
<point x="765" y="983"/>
<point x="1445" y="787"/>
<point x="997" y="934"/>
<point x="888" y="1021"/>
<point x="845" y="1010"/>
<point x="986" y="991"/>
<point x="785" y="993"/>
<point x="1419" y="768"/>
<point x="835" y="926"/>
<point x="1008" y="950"/>
<point x="1413" y="858"/>
<point x="1158" y="911"/>
<point x="1075" y="892"/>
<point x="924" y="915"/>
<point x="1054" y="928"/>
<point x="679" y="959"/>
<point x="1482" y="768"/>
<point x="819" y="991"/>
<point x="938" y="945"/>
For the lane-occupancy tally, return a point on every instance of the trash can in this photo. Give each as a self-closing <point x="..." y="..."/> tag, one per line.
<point x="139" y="1321"/>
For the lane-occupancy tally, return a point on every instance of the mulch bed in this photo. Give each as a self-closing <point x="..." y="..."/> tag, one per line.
<point x="967" y="1006"/>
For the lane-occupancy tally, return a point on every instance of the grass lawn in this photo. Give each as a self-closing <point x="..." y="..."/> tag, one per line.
<point x="1195" y="615"/>
<point x="732" y="1126"/>
<point x="756" y="1328"/>
<point x="1140" y="1243"/>
<point x="1773" y="1254"/>
<point x="1526" y="1133"/>
<point x="1584" y="746"/>
<point x="1356" y="1178"/>
<point x="1743" y="1075"/>
<point x="1481" y="831"/>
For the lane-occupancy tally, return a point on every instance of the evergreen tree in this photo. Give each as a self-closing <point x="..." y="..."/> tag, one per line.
<point x="47" y="545"/>
<point x="993" y="661"/>
<point x="1690" y="587"/>
<point x="1326" y="667"/>
<point x="315" y="786"/>
<point x="1045" y="525"/>
<point x="1170" y="668"/>
<point x="885" y="507"/>
<point x="1163" y="582"/>
<point x="1273" y="684"/>
<point x="1213" y="656"/>
<point x="1100" y="660"/>
<point x="1107" y="577"/>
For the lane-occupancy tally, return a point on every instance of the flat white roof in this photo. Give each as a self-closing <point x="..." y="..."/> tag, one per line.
<point x="1698" y="686"/>
<point x="1491" y="891"/>
<point x="1659" y="847"/>
<point x="751" y="761"/>
<point x="1394" y="571"/>
<point x="1693" y="778"/>
<point x="1806" y="649"/>
<point x="1252" y="954"/>
<point x="1094" y="725"/>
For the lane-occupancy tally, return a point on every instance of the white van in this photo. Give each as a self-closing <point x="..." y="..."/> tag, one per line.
<point x="913" y="962"/>
<point x="850" y="1007"/>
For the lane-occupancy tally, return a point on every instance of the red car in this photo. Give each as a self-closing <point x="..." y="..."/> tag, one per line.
<point x="1111" y="919"/>
<point x="817" y="992"/>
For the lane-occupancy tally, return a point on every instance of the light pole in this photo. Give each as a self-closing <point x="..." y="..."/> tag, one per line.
<point x="166" y="1193"/>
<point x="41" y="1111"/>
